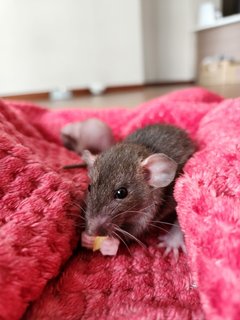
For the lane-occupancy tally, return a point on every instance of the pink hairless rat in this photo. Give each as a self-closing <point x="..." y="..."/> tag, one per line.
<point x="91" y="134"/>
<point x="132" y="185"/>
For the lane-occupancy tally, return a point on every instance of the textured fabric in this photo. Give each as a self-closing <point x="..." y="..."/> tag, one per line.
<point x="210" y="213"/>
<point x="44" y="272"/>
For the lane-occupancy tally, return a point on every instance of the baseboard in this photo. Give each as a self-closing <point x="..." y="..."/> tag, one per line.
<point x="28" y="96"/>
<point x="171" y="83"/>
<point x="86" y="92"/>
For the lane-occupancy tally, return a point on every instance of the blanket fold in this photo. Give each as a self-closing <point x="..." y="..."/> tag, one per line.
<point x="45" y="274"/>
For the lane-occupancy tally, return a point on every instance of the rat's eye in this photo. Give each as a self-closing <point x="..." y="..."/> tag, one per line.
<point x="89" y="188"/>
<point x="121" y="193"/>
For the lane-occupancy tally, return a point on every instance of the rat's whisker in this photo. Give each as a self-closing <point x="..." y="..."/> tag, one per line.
<point x="153" y="225"/>
<point x="123" y="212"/>
<point x="84" y="201"/>
<point x="166" y="223"/>
<point x="121" y="239"/>
<point x="78" y="206"/>
<point x="79" y="225"/>
<point x="80" y="216"/>
<point x="131" y="236"/>
<point x="74" y="215"/>
<point x="130" y="213"/>
<point x="113" y="209"/>
<point x="133" y="211"/>
<point x="140" y="211"/>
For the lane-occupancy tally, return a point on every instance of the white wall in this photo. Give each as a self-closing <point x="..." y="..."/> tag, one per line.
<point x="150" y="17"/>
<point x="169" y="40"/>
<point x="51" y="43"/>
<point x="176" y="40"/>
<point x="73" y="43"/>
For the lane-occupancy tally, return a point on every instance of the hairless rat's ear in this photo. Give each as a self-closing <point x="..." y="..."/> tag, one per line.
<point x="68" y="141"/>
<point x="160" y="168"/>
<point x="88" y="157"/>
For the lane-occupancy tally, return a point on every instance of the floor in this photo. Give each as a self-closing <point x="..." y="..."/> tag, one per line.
<point x="131" y="98"/>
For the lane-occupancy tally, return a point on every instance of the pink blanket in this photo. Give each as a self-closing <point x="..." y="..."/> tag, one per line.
<point x="44" y="272"/>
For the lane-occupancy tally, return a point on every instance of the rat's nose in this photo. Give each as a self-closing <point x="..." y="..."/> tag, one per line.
<point x="101" y="231"/>
<point x="99" y="226"/>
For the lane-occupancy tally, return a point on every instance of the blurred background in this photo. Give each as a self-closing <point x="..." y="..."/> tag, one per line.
<point x="117" y="52"/>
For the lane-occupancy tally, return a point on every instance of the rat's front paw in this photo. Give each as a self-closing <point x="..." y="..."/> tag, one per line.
<point x="173" y="241"/>
<point x="109" y="247"/>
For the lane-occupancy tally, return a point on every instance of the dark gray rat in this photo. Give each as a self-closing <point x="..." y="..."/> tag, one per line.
<point x="132" y="183"/>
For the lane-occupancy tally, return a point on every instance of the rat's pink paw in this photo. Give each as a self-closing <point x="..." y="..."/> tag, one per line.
<point x="109" y="247"/>
<point x="87" y="241"/>
<point x="173" y="241"/>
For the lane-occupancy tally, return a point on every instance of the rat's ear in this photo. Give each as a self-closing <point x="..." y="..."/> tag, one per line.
<point x="89" y="158"/>
<point x="160" y="169"/>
